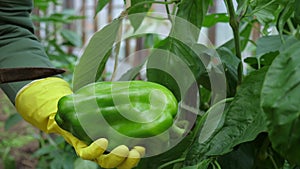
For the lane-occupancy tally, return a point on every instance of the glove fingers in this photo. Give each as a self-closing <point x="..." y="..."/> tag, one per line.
<point x="92" y="151"/>
<point x="141" y="150"/>
<point x="114" y="158"/>
<point x="132" y="160"/>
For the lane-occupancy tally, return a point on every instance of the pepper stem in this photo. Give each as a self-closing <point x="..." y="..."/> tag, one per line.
<point x="179" y="128"/>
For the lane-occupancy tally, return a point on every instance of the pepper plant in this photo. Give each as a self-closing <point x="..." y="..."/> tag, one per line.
<point x="255" y="124"/>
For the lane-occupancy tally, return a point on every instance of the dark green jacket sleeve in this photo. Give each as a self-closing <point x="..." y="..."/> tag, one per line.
<point x="18" y="45"/>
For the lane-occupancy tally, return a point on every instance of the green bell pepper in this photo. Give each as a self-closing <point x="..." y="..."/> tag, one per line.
<point x="128" y="109"/>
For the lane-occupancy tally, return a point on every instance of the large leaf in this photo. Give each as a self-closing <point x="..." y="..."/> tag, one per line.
<point x="94" y="55"/>
<point x="174" y="64"/>
<point x="280" y="102"/>
<point x="241" y="122"/>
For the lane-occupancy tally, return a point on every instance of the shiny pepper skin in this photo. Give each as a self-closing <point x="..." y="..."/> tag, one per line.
<point x="117" y="111"/>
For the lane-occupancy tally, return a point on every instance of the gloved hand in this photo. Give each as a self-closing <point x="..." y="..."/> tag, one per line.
<point x="37" y="104"/>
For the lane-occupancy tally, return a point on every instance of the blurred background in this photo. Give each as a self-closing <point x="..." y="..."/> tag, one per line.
<point x="64" y="28"/>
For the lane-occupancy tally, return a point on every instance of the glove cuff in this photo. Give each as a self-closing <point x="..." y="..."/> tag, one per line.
<point x="37" y="101"/>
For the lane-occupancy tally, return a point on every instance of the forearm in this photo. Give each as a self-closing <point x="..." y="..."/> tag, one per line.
<point x="19" y="47"/>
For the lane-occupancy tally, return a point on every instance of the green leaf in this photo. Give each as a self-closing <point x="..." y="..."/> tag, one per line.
<point x="170" y="60"/>
<point x="86" y="164"/>
<point x="101" y="66"/>
<point x="297" y="11"/>
<point x="17" y="141"/>
<point x="100" y="5"/>
<point x="230" y="64"/>
<point x="285" y="15"/>
<point x="12" y="121"/>
<point x="193" y="11"/>
<point x="72" y="37"/>
<point x="266" y="11"/>
<point x="165" y="158"/>
<point x="132" y="73"/>
<point x="68" y="160"/>
<point x="252" y="61"/>
<point x="268" y="48"/>
<point x="41" y="5"/>
<point x="66" y="17"/>
<point x="260" y="61"/>
<point x="212" y="19"/>
<point x="94" y="55"/>
<point x="243" y="157"/>
<point x="138" y="6"/>
<point x="280" y="102"/>
<point x="242" y="6"/>
<point x="256" y="154"/>
<point x="43" y="151"/>
<point x="268" y="44"/>
<point x="241" y="122"/>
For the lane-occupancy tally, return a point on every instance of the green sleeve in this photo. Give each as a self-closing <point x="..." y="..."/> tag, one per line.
<point x="19" y="47"/>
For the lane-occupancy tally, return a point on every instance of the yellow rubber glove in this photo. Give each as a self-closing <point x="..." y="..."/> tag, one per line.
<point x="37" y="104"/>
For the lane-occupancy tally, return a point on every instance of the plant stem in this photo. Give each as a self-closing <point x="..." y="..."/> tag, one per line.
<point x="234" y="23"/>
<point x="291" y="26"/>
<point x="171" y="162"/>
<point x="297" y="34"/>
<point x="117" y="51"/>
<point x="273" y="162"/>
<point x="261" y="7"/>
<point x="167" y="8"/>
<point x="217" y="164"/>
<point x="150" y="2"/>
<point x="168" y="11"/>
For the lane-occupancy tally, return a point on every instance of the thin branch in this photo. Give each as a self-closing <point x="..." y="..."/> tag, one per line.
<point x="151" y="2"/>
<point x="234" y="23"/>
<point x="168" y="11"/>
<point x="117" y="51"/>
<point x="291" y="26"/>
<point x="128" y="4"/>
<point x="171" y="162"/>
<point x="261" y="8"/>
